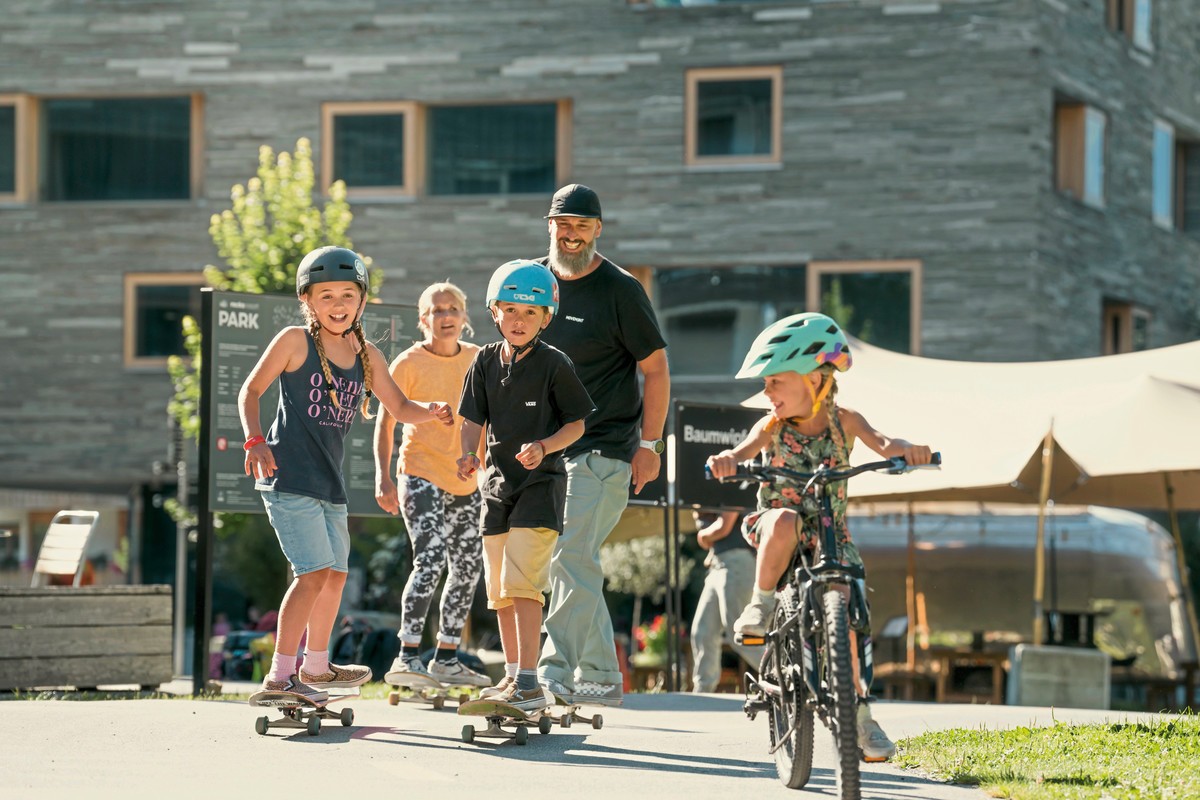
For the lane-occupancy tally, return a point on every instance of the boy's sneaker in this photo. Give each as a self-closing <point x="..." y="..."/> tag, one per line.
<point x="874" y="743"/>
<point x="338" y="676"/>
<point x="557" y="688"/>
<point x="405" y="666"/>
<point x="597" y="694"/>
<point x="457" y="673"/>
<point x="528" y="700"/>
<point x="755" y="616"/>
<point x="492" y="692"/>
<point x="292" y="685"/>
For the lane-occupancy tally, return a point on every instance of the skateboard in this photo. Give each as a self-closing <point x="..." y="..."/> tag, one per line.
<point x="413" y="687"/>
<point x="500" y="716"/>
<point x="299" y="712"/>
<point x="565" y="712"/>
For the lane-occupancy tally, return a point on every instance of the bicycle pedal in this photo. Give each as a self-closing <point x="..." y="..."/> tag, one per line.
<point x="750" y="640"/>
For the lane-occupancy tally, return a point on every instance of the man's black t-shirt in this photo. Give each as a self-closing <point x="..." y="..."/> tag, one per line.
<point x="542" y="394"/>
<point x="605" y="323"/>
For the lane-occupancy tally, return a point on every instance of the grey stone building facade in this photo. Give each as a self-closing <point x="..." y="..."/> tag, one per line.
<point x="967" y="179"/>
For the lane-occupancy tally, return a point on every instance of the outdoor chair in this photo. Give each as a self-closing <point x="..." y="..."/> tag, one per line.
<point x="63" y="547"/>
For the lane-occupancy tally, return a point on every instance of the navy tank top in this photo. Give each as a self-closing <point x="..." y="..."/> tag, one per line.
<point x="308" y="435"/>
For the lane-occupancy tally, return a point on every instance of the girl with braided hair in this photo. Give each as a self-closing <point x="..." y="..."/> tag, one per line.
<point x="797" y="359"/>
<point x="327" y="372"/>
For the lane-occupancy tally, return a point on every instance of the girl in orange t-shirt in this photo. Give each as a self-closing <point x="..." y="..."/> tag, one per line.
<point x="440" y="511"/>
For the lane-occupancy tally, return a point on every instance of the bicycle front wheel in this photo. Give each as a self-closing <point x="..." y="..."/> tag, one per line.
<point x="791" y="721"/>
<point x="839" y="683"/>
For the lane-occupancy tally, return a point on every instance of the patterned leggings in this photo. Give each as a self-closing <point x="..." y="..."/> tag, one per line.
<point x="444" y="531"/>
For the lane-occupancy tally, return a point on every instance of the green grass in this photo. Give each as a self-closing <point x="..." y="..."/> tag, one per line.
<point x="1135" y="761"/>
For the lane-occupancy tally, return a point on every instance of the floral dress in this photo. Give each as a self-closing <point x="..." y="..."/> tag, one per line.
<point x="791" y="449"/>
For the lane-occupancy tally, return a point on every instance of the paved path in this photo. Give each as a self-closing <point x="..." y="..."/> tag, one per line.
<point x="654" y="748"/>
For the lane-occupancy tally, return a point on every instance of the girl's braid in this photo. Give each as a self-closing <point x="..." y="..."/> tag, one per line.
<point x="314" y="328"/>
<point x="365" y="355"/>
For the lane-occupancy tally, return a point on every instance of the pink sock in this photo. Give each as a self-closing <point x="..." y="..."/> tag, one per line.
<point x="316" y="661"/>
<point x="282" y="667"/>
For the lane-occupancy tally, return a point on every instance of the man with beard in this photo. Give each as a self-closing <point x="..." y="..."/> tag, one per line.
<point x="607" y="326"/>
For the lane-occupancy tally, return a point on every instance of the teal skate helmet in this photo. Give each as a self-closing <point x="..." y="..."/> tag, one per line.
<point x="523" y="281"/>
<point x="799" y="343"/>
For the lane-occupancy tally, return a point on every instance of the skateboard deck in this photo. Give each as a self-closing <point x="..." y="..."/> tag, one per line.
<point x="413" y="687"/>
<point x="299" y="712"/>
<point x="500" y="717"/>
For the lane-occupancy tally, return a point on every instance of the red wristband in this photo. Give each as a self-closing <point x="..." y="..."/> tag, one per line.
<point x="252" y="441"/>
<point x="542" y="445"/>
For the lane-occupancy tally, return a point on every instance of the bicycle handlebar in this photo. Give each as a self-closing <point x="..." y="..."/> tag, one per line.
<point x="752" y="470"/>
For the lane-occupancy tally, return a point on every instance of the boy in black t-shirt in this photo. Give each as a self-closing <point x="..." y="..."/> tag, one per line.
<point x="533" y="404"/>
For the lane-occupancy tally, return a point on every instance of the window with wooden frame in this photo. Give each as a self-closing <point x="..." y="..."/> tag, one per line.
<point x="371" y="146"/>
<point x="155" y="305"/>
<point x="1080" y="132"/>
<point x="878" y="302"/>
<point x="14" y="149"/>
<point x="1175" y="196"/>
<point x="505" y="148"/>
<point x="1126" y="327"/>
<point x="119" y="148"/>
<point x="1131" y="18"/>
<point x="733" y="116"/>
<point x="711" y="315"/>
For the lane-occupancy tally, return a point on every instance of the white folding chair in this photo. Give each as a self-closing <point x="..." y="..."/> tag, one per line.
<point x="66" y="540"/>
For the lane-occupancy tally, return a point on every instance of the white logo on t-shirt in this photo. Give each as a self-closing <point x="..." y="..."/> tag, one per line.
<point x="530" y="403"/>
<point x="574" y="319"/>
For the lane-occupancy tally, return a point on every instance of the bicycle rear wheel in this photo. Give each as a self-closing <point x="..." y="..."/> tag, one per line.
<point x="839" y="680"/>
<point x="791" y="723"/>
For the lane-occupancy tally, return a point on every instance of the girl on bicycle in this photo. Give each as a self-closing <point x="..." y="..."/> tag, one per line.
<point x="797" y="358"/>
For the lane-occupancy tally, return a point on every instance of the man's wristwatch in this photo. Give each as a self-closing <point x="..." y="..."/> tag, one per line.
<point x="654" y="445"/>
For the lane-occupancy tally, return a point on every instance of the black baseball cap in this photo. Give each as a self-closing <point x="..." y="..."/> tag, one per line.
<point x="575" y="200"/>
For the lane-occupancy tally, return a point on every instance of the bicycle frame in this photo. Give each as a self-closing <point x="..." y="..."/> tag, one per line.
<point x="816" y="626"/>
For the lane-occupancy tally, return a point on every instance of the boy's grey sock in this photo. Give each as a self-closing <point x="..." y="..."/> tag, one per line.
<point x="527" y="679"/>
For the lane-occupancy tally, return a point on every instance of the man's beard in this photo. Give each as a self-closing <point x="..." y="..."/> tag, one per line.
<point x="571" y="263"/>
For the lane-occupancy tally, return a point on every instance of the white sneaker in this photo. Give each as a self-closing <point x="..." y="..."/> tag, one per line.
<point x="755" y="616"/>
<point x="404" y="666"/>
<point x="874" y="743"/>
<point x="456" y="673"/>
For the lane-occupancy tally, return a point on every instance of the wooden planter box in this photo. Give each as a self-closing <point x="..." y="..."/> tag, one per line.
<point x="58" y="636"/>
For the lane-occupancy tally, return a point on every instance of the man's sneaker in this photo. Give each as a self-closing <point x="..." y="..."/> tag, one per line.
<point x="557" y="688"/>
<point x="457" y="673"/>
<point x="338" y="676"/>
<point x="292" y="685"/>
<point x="404" y="666"/>
<point x="528" y="700"/>
<point x="874" y="743"/>
<point x="755" y="616"/>
<point x="597" y="694"/>
<point x="492" y="692"/>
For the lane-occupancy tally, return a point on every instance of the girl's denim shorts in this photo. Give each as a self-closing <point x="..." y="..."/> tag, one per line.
<point x="314" y="534"/>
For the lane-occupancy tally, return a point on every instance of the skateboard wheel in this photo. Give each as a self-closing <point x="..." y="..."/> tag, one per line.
<point x="565" y="721"/>
<point x="468" y="733"/>
<point x="314" y="726"/>
<point x="597" y="722"/>
<point x="522" y="735"/>
<point x="544" y="725"/>
<point x="393" y="698"/>
<point x="439" y="702"/>
<point x="347" y="717"/>
<point x="261" y="724"/>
